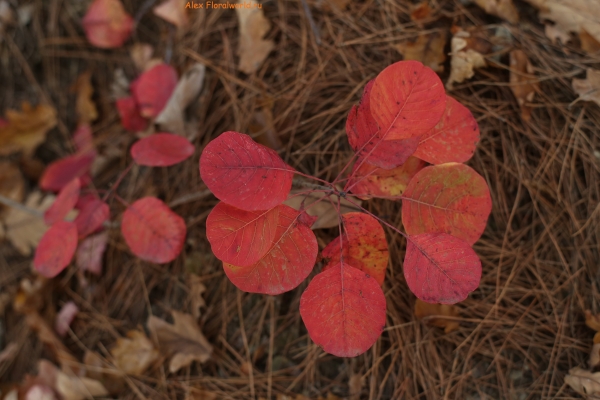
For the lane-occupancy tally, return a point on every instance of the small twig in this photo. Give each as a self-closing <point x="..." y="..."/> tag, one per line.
<point x="11" y="203"/>
<point x="311" y="21"/>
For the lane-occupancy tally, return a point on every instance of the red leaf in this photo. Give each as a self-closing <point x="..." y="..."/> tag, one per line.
<point x="343" y="310"/>
<point x="440" y="268"/>
<point x="56" y="249"/>
<point x="131" y="119"/>
<point x="83" y="138"/>
<point x="64" y="202"/>
<point x="407" y="100"/>
<point x="366" y="138"/>
<point x="244" y="173"/>
<point x="241" y="237"/>
<point x="453" y="139"/>
<point x="91" y="217"/>
<point x="364" y="246"/>
<point x="161" y="150"/>
<point x="152" y="231"/>
<point x="90" y="251"/>
<point x="450" y="198"/>
<point x="63" y="171"/>
<point x="370" y="181"/>
<point x="153" y="89"/>
<point x="288" y="262"/>
<point x="106" y="24"/>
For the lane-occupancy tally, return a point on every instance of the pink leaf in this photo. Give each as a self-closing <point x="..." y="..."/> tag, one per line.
<point x="64" y="202"/>
<point x="90" y="251"/>
<point x="153" y="89"/>
<point x="106" y="24"/>
<point x="63" y="171"/>
<point x="244" y="173"/>
<point x="440" y="268"/>
<point x="161" y="150"/>
<point x="152" y="231"/>
<point x="83" y="138"/>
<point x="91" y="217"/>
<point x="56" y="249"/>
<point x="65" y="316"/>
<point x="131" y="119"/>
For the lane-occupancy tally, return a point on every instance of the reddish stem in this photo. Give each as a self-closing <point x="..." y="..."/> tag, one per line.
<point x="117" y="182"/>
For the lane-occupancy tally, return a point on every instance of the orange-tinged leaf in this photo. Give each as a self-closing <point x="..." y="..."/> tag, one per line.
<point x="161" y="150"/>
<point x="65" y="201"/>
<point x="241" y="237"/>
<point x="245" y="174"/>
<point x="453" y="139"/>
<point x="106" y="23"/>
<point x="407" y="100"/>
<point x="343" y="310"/>
<point x="423" y="309"/>
<point x="56" y="249"/>
<point x="364" y="246"/>
<point x="131" y="119"/>
<point x="450" y="198"/>
<point x="370" y="181"/>
<point x="63" y="171"/>
<point x="91" y="217"/>
<point x="366" y="138"/>
<point x="26" y="129"/>
<point x="440" y="268"/>
<point x="152" y="231"/>
<point x="287" y="263"/>
<point x="153" y="88"/>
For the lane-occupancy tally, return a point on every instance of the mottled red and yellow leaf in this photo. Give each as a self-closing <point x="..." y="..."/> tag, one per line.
<point x="370" y="181"/>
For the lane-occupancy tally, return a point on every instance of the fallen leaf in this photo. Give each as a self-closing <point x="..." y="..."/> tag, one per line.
<point x="428" y="49"/>
<point x="327" y="215"/>
<point x="253" y="49"/>
<point x="131" y="119"/>
<point x="196" y="289"/>
<point x="84" y="105"/>
<point x="262" y="127"/>
<point x="26" y="129"/>
<point x="106" y="24"/>
<point x="183" y="340"/>
<point x="521" y="77"/>
<point x="39" y="392"/>
<point x="101" y="370"/>
<point x="423" y="309"/>
<point x="141" y="54"/>
<point x="588" y="89"/>
<point x="23" y="229"/>
<point x="355" y="385"/>
<point x="571" y="15"/>
<point x="172" y="117"/>
<point x="555" y="33"/>
<point x="463" y="60"/>
<point x="588" y="43"/>
<point x="584" y="382"/>
<point x="65" y="316"/>
<point x="90" y="251"/>
<point x="172" y="11"/>
<point x="47" y="336"/>
<point x="60" y="172"/>
<point x="595" y="355"/>
<point x="153" y="88"/>
<point x="56" y="249"/>
<point x="78" y="388"/>
<point x="420" y="11"/>
<point x="83" y="139"/>
<point x="504" y="9"/>
<point x="64" y="203"/>
<point x="134" y="354"/>
<point x="12" y="185"/>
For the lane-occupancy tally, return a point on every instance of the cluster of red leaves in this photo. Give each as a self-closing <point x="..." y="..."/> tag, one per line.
<point x="404" y="122"/>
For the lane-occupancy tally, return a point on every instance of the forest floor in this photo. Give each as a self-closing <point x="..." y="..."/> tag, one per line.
<point x="519" y="333"/>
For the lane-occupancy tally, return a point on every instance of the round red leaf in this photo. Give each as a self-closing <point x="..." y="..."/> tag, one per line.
<point x="244" y="173"/>
<point x="56" y="249"/>
<point x="131" y="119"/>
<point x="153" y="89"/>
<point x="91" y="217"/>
<point x="106" y="24"/>
<point x="343" y="309"/>
<point x="440" y="268"/>
<point x="64" y="202"/>
<point x="152" y="231"/>
<point x="161" y="150"/>
<point x="63" y="171"/>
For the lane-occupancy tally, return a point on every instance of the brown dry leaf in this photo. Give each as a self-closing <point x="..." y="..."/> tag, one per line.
<point x="588" y="43"/>
<point x="595" y="355"/>
<point x="428" y="49"/>
<point x="183" y="339"/>
<point x="421" y="11"/>
<point x="597" y="338"/>
<point x="262" y="127"/>
<point x="84" y="105"/>
<point x="464" y="59"/>
<point x="102" y="371"/>
<point x="327" y="215"/>
<point x="23" y="229"/>
<point x="423" y="309"/>
<point x="521" y="77"/>
<point x="571" y="15"/>
<point x="173" y="11"/>
<point x="355" y="385"/>
<point x="12" y="185"/>
<point x="200" y="394"/>
<point x="141" y="54"/>
<point x="26" y="129"/>
<point x="592" y="320"/>
<point x="253" y="49"/>
<point x="588" y="89"/>
<point x="555" y="33"/>
<point x="197" y="288"/>
<point x="504" y="9"/>
<point x="78" y="388"/>
<point x="47" y="336"/>
<point x="134" y="355"/>
<point x="584" y="382"/>
<point x="172" y="117"/>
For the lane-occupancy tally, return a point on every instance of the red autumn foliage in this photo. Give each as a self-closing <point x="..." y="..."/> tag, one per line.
<point x="107" y="24"/>
<point x="152" y="89"/>
<point x="56" y="249"/>
<point x="131" y="119"/>
<point x="64" y="202"/>
<point x="161" y="150"/>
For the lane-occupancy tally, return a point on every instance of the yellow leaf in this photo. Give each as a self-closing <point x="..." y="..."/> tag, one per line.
<point x="135" y="354"/>
<point x="423" y="309"/>
<point x="428" y="49"/>
<point x="588" y="89"/>
<point x="253" y="49"/>
<point x="26" y="129"/>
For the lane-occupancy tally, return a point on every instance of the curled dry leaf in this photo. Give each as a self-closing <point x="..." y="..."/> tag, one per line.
<point x="134" y="354"/>
<point x="428" y="49"/>
<point x="183" y="340"/>
<point x="589" y="44"/>
<point x="464" y="59"/>
<point x="500" y="8"/>
<point x="253" y="49"/>
<point x="172" y="11"/>
<point x="106" y="24"/>
<point x="588" y="89"/>
<point x="326" y="213"/>
<point x="84" y="105"/>
<point x="196" y="291"/>
<point x="25" y="130"/>
<point x="423" y="309"/>
<point x="65" y="316"/>
<point x="584" y="382"/>
<point x="522" y="81"/>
